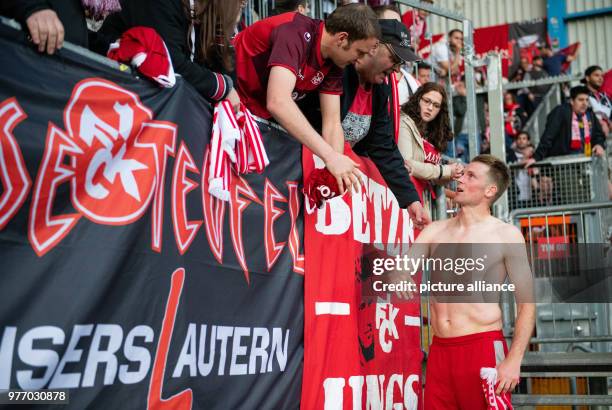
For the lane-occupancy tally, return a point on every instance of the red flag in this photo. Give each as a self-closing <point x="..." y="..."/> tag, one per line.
<point x="570" y="50"/>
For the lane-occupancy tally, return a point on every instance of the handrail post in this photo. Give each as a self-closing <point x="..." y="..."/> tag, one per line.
<point x="496" y="121"/>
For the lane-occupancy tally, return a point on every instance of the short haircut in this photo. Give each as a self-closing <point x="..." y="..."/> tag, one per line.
<point x="577" y="90"/>
<point x="358" y="20"/>
<point x="423" y="65"/>
<point x="498" y="172"/>
<point x="524" y="132"/>
<point x="537" y="58"/>
<point x="453" y="31"/>
<point x="590" y="70"/>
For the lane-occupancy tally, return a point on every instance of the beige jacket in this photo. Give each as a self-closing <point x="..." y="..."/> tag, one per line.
<point x="410" y="144"/>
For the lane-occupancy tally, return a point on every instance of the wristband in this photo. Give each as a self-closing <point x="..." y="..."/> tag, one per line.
<point x="441" y="171"/>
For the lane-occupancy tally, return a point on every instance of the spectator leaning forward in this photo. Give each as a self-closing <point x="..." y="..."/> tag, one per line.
<point x="285" y="58"/>
<point x="365" y="113"/>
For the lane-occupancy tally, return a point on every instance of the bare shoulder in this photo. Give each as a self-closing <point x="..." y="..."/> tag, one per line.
<point x="432" y="231"/>
<point x="508" y="233"/>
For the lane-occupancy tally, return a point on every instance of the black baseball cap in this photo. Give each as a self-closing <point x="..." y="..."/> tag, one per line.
<point x="397" y="36"/>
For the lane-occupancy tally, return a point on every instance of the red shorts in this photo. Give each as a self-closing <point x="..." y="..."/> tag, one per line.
<point x="452" y="379"/>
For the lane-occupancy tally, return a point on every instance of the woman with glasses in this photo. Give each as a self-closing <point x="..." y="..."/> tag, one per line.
<point x="424" y="134"/>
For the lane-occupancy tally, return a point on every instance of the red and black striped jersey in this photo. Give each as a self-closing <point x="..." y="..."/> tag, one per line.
<point x="289" y="40"/>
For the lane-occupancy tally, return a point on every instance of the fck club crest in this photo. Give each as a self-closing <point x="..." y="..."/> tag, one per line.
<point x="115" y="162"/>
<point x="110" y="152"/>
<point x="317" y="78"/>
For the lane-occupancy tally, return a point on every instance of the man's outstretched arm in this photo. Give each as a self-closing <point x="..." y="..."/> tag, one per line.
<point x="332" y="123"/>
<point x="282" y="107"/>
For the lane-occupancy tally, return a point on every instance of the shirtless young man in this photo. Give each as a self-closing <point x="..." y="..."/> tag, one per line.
<point x="468" y="336"/>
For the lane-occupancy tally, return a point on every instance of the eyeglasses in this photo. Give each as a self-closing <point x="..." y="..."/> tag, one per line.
<point x="434" y="104"/>
<point x="397" y="62"/>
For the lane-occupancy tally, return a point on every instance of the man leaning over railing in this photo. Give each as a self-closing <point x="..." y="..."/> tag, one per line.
<point x="571" y="128"/>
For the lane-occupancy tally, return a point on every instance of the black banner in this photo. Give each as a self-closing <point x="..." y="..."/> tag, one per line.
<point x="526" y="38"/>
<point x="122" y="279"/>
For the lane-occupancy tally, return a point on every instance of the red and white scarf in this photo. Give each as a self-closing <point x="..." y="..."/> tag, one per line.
<point x="576" y="142"/>
<point x="394" y="106"/>
<point x="235" y="139"/>
<point x="488" y="378"/>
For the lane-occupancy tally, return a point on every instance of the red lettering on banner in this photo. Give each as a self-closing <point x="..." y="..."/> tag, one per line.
<point x="161" y="137"/>
<point x="44" y="229"/>
<point x="294" y="236"/>
<point x="115" y="156"/>
<point x="271" y="214"/>
<point x="214" y="215"/>
<point x="238" y="204"/>
<point x="118" y="161"/>
<point x="182" y="400"/>
<point x="13" y="173"/>
<point x="118" y="156"/>
<point x="184" y="230"/>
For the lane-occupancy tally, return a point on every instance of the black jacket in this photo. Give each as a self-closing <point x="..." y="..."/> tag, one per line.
<point x="379" y="143"/>
<point x="558" y="133"/>
<point x="459" y="110"/>
<point x="70" y="13"/>
<point x="169" y="19"/>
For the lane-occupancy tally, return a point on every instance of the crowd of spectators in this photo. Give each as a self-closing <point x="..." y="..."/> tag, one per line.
<point x="212" y="49"/>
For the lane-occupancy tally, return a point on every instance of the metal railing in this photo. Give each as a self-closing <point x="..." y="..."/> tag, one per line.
<point x="77" y="52"/>
<point x="471" y="62"/>
<point x="566" y="180"/>
<point x="537" y="122"/>
<point x="573" y="340"/>
<point x="566" y="326"/>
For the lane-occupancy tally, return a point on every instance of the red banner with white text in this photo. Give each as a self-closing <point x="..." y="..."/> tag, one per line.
<point x="358" y="352"/>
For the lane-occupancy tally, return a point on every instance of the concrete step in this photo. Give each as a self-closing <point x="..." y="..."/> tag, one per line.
<point x="566" y="362"/>
<point x="560" y="400"/>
